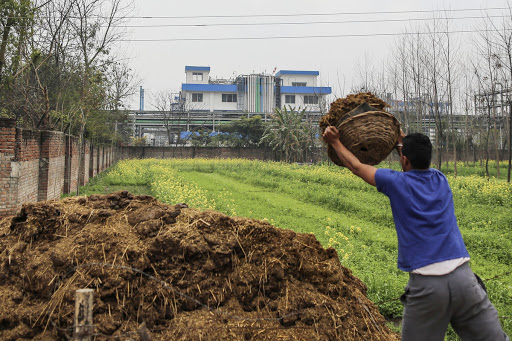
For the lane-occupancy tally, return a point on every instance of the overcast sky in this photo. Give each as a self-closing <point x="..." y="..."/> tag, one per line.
<point x="330" y="36"/>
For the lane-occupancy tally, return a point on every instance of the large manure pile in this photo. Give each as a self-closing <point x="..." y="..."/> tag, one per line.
<point x="165" y="272"/>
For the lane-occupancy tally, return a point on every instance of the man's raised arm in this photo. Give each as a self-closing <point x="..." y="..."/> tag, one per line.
<point x="364" y="171"/>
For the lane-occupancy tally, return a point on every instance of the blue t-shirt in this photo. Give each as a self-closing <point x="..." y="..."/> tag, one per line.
<point x="423" y="211"/>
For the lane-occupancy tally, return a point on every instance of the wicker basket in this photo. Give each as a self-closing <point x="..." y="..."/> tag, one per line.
<point x="371" y="136"/>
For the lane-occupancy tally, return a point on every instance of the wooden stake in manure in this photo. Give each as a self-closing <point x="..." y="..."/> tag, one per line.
<point x="83" y="315"/>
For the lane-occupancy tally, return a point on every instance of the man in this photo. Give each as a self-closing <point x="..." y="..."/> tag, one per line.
<point x="442" y="288"/>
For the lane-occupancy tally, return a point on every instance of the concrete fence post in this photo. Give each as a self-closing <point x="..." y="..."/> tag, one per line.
<point x="84" y="327"/>
<point x="9" y="167"/>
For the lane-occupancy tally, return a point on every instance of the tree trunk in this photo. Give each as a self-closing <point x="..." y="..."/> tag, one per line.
<point x="509" y="141"/>
<point x="487" y="152"/>
<point x="496" y="141"/>
<point x="447" y="150"/>
<point x="3" y="45"/>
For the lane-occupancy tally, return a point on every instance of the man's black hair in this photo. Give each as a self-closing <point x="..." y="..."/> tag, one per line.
<point x="418" y="149"/>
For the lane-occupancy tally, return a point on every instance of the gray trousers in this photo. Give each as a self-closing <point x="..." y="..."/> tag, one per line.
<point x="432" y="302"/>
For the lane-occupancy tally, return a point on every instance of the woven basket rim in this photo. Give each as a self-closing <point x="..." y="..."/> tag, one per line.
<point x="358" y="122"/>
<point x="368" y="113"/>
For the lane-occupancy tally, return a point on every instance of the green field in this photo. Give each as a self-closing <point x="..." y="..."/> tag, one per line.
<point x="340" y="209"/>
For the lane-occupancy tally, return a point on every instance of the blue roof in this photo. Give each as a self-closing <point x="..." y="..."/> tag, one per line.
<point x="306" y="90"/>
<point x="197" y="68"/>
<point x="292" y="72"/>
<point x="209" y="87"/>
<point x="188" y="134"/>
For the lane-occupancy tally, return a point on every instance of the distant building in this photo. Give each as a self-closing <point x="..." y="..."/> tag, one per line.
<point x="206" y="103"/>
<point x="254" y="93"/>
<point x="418" y="114"/>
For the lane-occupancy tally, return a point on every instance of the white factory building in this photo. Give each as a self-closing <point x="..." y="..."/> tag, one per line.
<point x="206" y="103"/>
<point x="254" y="93"/>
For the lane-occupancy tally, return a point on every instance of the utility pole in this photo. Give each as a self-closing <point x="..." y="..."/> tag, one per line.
<point x="509" y="137"/>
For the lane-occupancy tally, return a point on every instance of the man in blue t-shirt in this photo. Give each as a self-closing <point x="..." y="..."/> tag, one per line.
<point x="442" y="288"/>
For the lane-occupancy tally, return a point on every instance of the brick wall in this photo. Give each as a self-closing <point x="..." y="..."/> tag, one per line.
<point x="194" y="152"/>
<point x="85" y="163"/>
<point x="71" y="165"/>
<point x="108" y="161"/>
<point x="93" y="162"/>
<point x="52" y="165"/>
<point x="28" y="156"/>
<point x="42" y="165"/>
<point x="101" y="159"/>
<point x="8" y="175"/>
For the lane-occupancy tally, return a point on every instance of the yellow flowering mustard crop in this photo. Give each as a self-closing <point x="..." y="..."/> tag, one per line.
<point x="130" y="172"/>
<point x="164" y="181"/>
<point x="169" y="187"/>
<point x="481" y="190"/>
<point x="338" y="240"/>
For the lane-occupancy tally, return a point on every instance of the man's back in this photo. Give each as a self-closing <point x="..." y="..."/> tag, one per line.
<point x="423" y="211"/>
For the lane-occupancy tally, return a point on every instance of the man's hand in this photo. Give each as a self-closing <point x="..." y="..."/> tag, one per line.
<point x="399" y="143"/>
<point x="401" y="137"/>
<point x="331" y="135"/>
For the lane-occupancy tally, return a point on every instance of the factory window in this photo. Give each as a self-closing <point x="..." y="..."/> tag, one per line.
<point x="228" y="97"/>
<point x="298" y="83"/>
<point x="197" y="97"/>
<point x="289" y="99"/>
<point x="310" y="99"/>
<point x="197" y="76"/>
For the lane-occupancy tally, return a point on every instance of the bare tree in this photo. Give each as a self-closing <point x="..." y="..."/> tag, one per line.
<point x="16" y="18"/>
<point x="487" y="72"/>
<point x="417" y="76"/>
<point x="501" y="34"/>
<point x="467" y="107"/>
<point x="163" y="102"/>
<point x="96" y="26"/>
<point x="451" y="73"/>
<point x="400" y="73"/>
<point x="122" y="83"/>
<point x="411" y="79"/>
<point x="366" y="73"/>
<point x="435" y="74"/>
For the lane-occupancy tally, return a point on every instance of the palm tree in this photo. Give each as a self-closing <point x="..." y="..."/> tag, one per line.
<point x="289" y="134"/>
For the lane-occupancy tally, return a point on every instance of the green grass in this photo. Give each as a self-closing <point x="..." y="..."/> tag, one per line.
<point x="340" y="209"/>
<point x="103" y="184"/>
<point x="477" y="168"/>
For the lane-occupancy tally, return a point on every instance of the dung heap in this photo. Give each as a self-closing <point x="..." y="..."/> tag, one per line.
<point x="165" y="272"/>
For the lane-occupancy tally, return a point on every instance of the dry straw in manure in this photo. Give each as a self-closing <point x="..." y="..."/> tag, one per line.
<point x="173" y="273"/>
<point x="366" y="129"/>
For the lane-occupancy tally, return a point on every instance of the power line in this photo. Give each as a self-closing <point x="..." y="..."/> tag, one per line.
<point x="291" y="15"/>
<point x="308" y="22"/>
<point x="316" y="14"/>
<point x="305" y="37"/>
<point x="304" y="22"/>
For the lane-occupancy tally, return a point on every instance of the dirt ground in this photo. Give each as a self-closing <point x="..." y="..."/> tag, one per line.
<point x="165" y="272"/>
